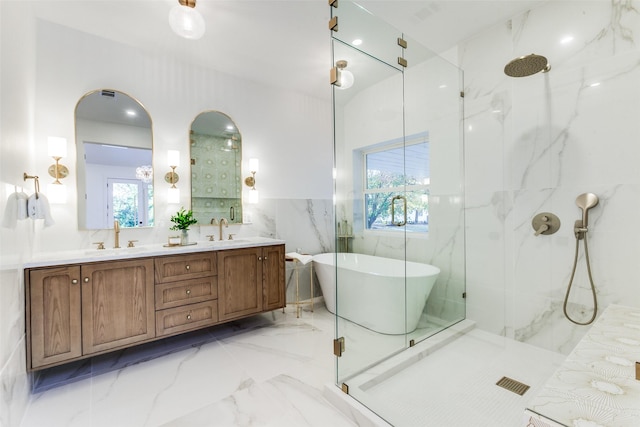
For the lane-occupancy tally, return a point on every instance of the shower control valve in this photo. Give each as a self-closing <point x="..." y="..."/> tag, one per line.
<point x="545" y="223"/>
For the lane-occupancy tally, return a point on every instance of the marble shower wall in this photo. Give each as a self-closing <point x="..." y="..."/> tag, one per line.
<point x="534" y="144"/>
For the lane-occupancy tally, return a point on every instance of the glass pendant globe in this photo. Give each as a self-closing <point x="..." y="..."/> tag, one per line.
<point x="346" y="79"/>
<point x="186" y="22"/>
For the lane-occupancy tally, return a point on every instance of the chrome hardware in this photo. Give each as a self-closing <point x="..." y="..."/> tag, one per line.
<point x="116" y="231"/>
<point x="188" y="267"/>
<point x="100" y="244"/>
<point x="393" y="210"/>
<point x="210" y="236"/>
<point x="131" y="244"/>
<point x="545" y="223"/>
<point x="74" y="281"/>
<point x="86" y="280"/>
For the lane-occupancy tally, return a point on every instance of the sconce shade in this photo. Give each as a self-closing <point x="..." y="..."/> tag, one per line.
<point x="173" y="158"/>
<point x="186" y="21"/>
<point x="57" y="147"/>
<point x="56" y="193"/>
<point x="173" y="195"/>
<point x="254" y="165"/>
<point x="253" y="196"/>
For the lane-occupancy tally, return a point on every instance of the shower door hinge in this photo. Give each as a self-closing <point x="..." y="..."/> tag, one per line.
<point x="402" y="61"/>
<point x="345" y="388"/>
<point x="464" y="295"/>
<point x="461" y="94"/>
<point x="333" y="24"/>
<point x="333" y="3"/>
<point x="402" y="42"/>
<point x="412" y="343"/>
<point x="338" y="346"/>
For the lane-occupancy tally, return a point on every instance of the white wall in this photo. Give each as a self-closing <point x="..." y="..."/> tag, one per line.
<point x="532" y="145"/>
<point x="44" y="76"/>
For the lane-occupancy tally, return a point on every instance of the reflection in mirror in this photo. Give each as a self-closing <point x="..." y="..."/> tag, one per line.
<point x="114" y="146"/>
<point x="216" y="159"/>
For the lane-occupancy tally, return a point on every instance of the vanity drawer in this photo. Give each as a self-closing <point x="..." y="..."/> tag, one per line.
<point x="185" y="318"/>
<point x="181" y="267"/>
<point x="175" y="294"/>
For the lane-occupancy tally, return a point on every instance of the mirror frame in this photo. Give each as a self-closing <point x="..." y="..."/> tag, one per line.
<point x="239" y="180"/>
<point x="81" y="163"/>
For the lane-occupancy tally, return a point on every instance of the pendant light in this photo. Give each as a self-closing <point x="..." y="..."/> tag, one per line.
<point x="186" y="21"/>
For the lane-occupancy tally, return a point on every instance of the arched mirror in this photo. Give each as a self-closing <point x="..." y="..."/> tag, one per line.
<point x="114" y="146"/>
<point x="216" y="160"/>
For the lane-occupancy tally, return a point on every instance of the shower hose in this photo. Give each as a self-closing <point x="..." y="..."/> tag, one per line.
<point x="573" y="273"/>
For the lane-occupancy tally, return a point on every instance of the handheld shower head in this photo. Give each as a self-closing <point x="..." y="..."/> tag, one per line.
<point x="585" y="202"/>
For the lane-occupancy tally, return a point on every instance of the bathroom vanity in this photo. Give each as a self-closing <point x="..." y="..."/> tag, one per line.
<point x="81" y="304"/>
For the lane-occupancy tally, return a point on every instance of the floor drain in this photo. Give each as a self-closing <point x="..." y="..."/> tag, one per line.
<point x="512" y="385"/>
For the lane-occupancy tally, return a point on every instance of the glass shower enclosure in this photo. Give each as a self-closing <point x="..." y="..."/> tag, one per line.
<point x="398" y="153"/>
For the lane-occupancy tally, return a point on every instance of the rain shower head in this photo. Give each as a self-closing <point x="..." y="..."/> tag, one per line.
<point x="527" y="65"/>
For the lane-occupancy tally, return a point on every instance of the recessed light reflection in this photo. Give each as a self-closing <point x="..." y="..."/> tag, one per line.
<point x="130" y="113"/>
<point x="442" y="86"/>
<point x="356" y="42"/>
<point x="596" y="84"/>
<point x="566" y="39"/>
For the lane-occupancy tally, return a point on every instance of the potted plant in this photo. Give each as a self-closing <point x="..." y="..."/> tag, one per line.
<point x="182" y="220"/>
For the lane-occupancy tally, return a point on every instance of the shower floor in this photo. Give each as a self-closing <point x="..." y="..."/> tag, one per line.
<point x="450" y="380"/>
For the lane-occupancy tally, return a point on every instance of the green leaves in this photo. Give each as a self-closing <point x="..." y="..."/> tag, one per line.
<point x="183" y="219"/>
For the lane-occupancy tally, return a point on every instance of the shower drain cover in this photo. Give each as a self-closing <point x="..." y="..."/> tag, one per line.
<point x="512" y="385"/>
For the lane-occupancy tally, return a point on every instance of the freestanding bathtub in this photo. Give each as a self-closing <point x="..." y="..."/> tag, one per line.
<point x="371" y="290"/>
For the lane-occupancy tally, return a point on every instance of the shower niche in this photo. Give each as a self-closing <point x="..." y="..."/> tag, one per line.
<point x="398" y="153"/>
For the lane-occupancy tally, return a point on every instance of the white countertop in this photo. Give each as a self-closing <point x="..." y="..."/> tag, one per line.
<point x="596" y="385"/>
<point x="46" y="259"/>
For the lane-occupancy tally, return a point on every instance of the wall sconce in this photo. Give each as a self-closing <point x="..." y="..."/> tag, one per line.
<point x="341" y="78"/>
<point x="186" y="21"/>
<point x="250" y="181"/>
<point x="173" y="194"/>
<point x="57" y="148"/>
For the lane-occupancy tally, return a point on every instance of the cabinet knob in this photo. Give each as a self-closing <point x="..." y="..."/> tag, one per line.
<point x="187" y="267"/>
<point x="259" y="258"/>
<point x="74" y="281"/>
<point x="188" y="291"/>
<point x="188" y="317"/>
<point x="265" y="257"/>
<point x="86" y="280"/>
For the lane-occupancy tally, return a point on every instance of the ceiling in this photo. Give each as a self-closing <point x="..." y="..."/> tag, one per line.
<point x="281" y="42"/>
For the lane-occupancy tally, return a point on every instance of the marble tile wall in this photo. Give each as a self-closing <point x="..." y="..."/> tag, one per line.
<point x="532" y="145"/>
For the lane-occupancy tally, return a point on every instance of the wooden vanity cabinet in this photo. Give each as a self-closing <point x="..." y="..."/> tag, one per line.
<point x="79" y="310"/>
<point x="250" y="281"/>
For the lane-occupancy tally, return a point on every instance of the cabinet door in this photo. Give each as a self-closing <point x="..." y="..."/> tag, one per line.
<point x="117" y="304"/>
<point x="273" y="275"/>
<point x="54" y="331"/>
<point x="239" y="282"/>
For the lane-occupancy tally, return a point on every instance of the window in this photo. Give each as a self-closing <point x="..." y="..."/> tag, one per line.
<point x="130" y="202"/>
<point x="392" y="170"/>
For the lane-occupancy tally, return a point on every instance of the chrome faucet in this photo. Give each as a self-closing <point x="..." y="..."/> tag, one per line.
<point x="116" y="231"/>
<point x="223" y="221"/>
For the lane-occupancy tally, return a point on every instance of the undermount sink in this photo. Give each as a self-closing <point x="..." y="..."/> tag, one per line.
<point x="225" y="242"/>
<point x="113" y="251"/>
